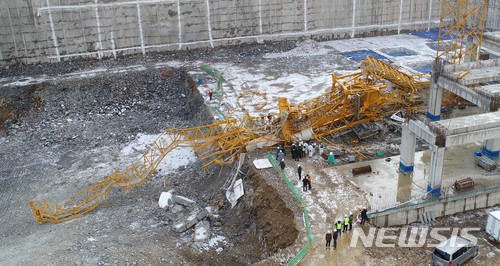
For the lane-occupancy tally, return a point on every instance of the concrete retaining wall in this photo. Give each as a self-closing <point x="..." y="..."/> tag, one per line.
<point x="493" y="15"/>
<point x="442" y="207"/>
<point x="34" y="31"/>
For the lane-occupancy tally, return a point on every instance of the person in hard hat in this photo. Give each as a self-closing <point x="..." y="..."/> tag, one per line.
<point x="309" y="179"/>
<point x="304" y="149"/>
<point x="321" y="149"/>
<point x="282" y="164"/>
<point x="346" y="223"/>
<point x="364" y="216"/>
<point x="210" y="94"/>
<point x="331" y="158"/>
<point x="304" y="184"/>
<point x="294" y="151"/>
<point x="335" y="236"/>
<point x="277" y="152"/>
<point x="351" y="218"/>
<point x="311" y="148"/>
<point x="281" y="155"/>
<point x="339" y="228"/>
<point x="328" y="238"/>
<point x="299" y="171"/>
<point x="301" y="146"/>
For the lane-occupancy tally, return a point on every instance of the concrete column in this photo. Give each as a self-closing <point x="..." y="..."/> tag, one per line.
<point x="404" y="187"/>
<point x="435" y="100"/>
<point x="436" y="171"/>
<point x="407" y="148"/>
<point x="491" y="148"/>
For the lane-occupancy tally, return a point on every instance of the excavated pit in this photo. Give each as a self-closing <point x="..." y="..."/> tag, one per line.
<point x="56" y="136"/>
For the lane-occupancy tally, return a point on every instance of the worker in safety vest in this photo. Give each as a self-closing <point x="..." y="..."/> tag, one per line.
<point x="304" y="149"/>
<point x="346" y="223"/>
<point x="331" y="158"/>
<point x="339" y="227"/>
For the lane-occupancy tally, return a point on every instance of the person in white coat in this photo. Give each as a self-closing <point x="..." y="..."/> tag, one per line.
<point x="311" y="148"/>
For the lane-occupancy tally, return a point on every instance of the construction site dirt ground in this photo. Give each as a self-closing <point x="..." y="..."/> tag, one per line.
<point x="65" y="124"/>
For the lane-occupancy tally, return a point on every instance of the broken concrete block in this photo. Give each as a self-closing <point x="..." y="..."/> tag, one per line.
<point x="183" y="201"/>
<point x="166" y="199"/>
<point x="202" y="231"/>
<point x="192" y="218"/>
<point x="177" y="208"/>
<point x="180" y="227"/>
<point x="201" y="215"/>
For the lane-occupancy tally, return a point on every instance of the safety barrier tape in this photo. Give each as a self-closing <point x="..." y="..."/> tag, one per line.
<point x="309" y="245"/>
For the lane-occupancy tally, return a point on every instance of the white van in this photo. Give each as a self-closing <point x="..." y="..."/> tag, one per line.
<point x="455" y="250"/>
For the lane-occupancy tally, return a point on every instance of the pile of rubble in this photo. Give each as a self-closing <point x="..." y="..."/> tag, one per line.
<point x="185" y="214"/>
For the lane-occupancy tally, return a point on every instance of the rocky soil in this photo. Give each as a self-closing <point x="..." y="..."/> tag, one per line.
<point x="57" y="135"/>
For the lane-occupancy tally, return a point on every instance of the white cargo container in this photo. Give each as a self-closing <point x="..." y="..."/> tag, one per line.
<point x="493" y="225"/>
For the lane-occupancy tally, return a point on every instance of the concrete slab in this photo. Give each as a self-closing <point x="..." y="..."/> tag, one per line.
<point x="477" y="76"/>
<point x="462" y="130"/>
<point x="262" y="163"/>
<point x="202" y="231"/>
<point x="183" y="201"/>
<point x="385" y="184"/>
<point x="234" y="194"/>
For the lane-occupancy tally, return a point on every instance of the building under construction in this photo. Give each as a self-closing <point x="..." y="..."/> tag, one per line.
<point x="150" y="132"/>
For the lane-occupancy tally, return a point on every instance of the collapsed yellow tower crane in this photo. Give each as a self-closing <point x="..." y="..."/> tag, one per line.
<point x="353" y="99"/>
<point x="461" y="30"/>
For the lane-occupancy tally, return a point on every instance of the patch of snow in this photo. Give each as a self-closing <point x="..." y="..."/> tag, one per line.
<point x="215" y="240"/>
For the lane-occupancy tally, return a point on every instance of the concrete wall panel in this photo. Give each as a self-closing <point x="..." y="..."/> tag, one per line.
<point x="492" y="199"/>
<point x="47" y="31"/>
<point x="470" y="203"/>
<point x="412" y="216"/>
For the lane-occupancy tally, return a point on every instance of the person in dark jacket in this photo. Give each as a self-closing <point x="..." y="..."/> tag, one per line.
<point x="282" y="164"/>
<point x="294" y="151"/>
<point x="364" y="216"/>
<point x="328" y="238"/>
<point x="351" y="217"/>
<point x="304" y="184"/>
<point x="335" y="236"/>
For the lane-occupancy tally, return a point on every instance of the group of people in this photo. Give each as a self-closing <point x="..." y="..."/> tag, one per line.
<point x="302" y="149"/>
<point x="342" y="227"/>
<point x="306" y="181"/>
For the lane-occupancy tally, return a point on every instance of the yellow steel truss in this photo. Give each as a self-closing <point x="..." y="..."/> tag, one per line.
<point x="353" y="99"/>
<point x="461" y="29"/>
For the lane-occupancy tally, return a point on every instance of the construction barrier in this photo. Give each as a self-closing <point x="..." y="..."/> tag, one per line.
<point x="219" y="91"/>
<point x="218" y="112"/>
<point x="309" y="245"/>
